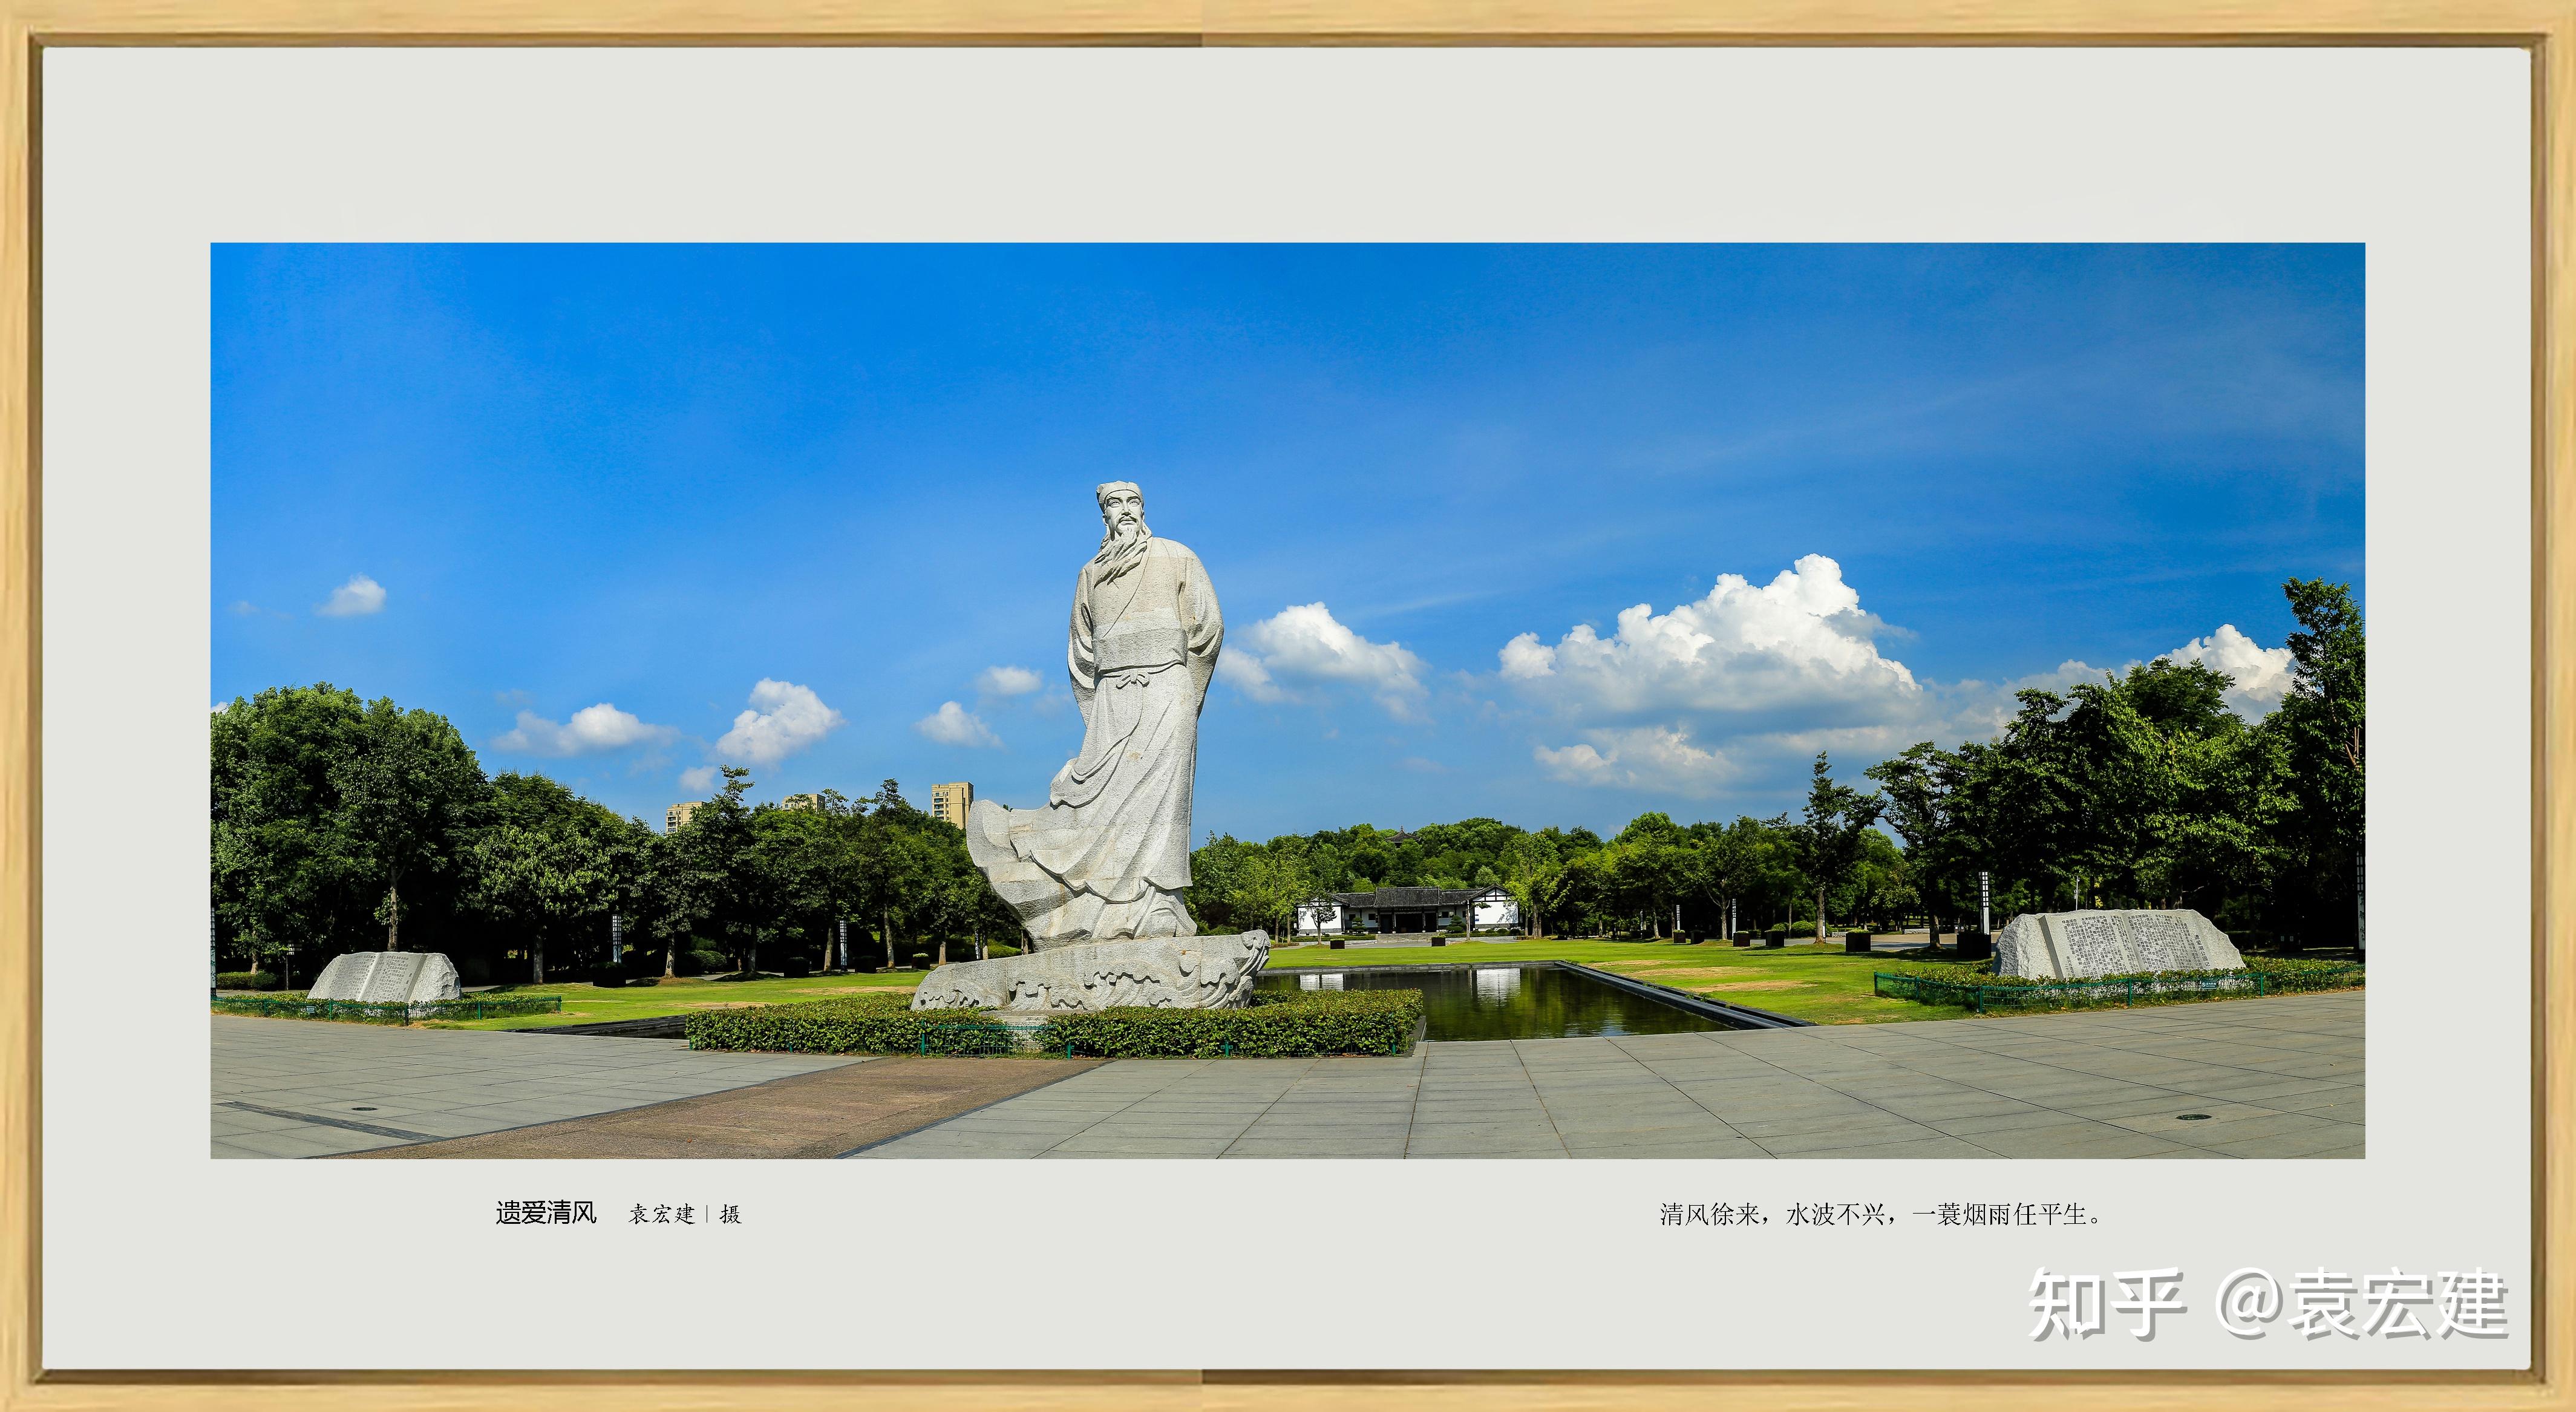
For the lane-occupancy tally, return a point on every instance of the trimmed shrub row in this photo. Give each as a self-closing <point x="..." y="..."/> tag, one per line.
<point x="868" y="1024"/>
<point x="1317" y="1022"/>
<point x="1308" y="1022"/>
<point x="1975" y="986"/>
<point x="297" y="1006"/>
<point x="247" y="980"/>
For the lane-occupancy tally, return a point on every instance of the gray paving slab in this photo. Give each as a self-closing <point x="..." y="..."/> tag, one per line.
<point x="310" y="1088"/>
<point x="2280" y="1076"/>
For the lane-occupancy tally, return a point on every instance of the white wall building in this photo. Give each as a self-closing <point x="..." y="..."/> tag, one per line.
<point x="1407" y="910"/>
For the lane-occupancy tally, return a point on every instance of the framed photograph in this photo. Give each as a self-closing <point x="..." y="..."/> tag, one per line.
<point x="969" y="709"/>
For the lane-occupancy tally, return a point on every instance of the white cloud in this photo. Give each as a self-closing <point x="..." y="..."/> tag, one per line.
<point x="785" y="719"/>
<point x="2262" y="673"/>
<point x="1305" y="643"/>
<point x="1661" y="759"/>
<point x="591" y="731"/>
<point x="953" y="724"/>
<point x="1800" y="642"/>
<point x="358" y="597"/>
<point x="1008" y="681"/>
<point x="703" y="777"/>
<point x="1243" y="671"/>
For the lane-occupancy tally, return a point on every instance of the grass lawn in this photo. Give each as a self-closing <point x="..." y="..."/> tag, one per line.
<point x="584" y="1003"/>
<point x="1824" y="984"/>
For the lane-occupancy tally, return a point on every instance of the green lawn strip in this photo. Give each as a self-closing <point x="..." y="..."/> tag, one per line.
<point x="587" y="1004"/>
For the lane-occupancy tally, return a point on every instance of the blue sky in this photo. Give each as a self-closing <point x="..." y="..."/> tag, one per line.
<point x="624" y="513"/>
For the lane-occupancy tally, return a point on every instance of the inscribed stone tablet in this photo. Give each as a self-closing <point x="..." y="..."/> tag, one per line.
<point x="2090" y="944"/>
<point x="2093" y="944"/>
<point x="2164" y="941"/>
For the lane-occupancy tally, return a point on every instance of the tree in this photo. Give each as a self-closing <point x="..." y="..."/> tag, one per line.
<point x="285" y="875"/>
<point x="406" y="787"/>
<point x="1270" y="882"/>
<point x="1827" y="839"/>
<point x="1530" y="870"/>
<point x="2324" y="725"/>
<point x="541" y="879"/>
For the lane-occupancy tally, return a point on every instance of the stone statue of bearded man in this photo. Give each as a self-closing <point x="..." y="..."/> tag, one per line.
<point x="1107" y="857"/>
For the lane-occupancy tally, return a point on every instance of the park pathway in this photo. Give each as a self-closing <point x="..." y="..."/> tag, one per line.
<point x="311" y="1088"/>
<point x="2275" y="1077"/>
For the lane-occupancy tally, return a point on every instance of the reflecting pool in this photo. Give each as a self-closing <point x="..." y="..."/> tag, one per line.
<point x="1507" y="1002"/>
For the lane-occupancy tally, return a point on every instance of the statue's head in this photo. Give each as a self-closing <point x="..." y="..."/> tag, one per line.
<point x="1122" y="508"/>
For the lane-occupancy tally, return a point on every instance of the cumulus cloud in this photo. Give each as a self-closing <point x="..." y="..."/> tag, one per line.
<point x="1008" y="681"/>
<point x="1306" y="644"/>
<point x="2262" y="673"/>
<point x="358" y="597"/>
<point x="1799" y="642"/>
<point x="953" y="724"/>
<point x="785" y="718"/>
<point x="699" y="778"/>
<point x="1660" y="758"/>
<point x="592" y="730"/>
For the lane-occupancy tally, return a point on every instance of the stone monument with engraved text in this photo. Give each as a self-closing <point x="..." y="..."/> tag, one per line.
<point x="2074" y="946"/>
<point x="411" y="976"/>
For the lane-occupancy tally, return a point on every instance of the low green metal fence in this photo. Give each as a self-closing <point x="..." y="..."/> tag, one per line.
<point x="2124" y="990"/>
<point x="387" y="1012"/>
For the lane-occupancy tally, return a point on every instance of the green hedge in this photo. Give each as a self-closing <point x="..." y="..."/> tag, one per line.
<point x="247" y="980"/>
<point x="1974" y="985"/>
<point x="1307" y="1022"/>
<point x="1317" y="1022"/>
<point x="296" y="1006"/>
<point x="868" y="1024"/>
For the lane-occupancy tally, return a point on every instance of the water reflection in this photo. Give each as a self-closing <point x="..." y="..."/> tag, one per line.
<point x="1508" y="1002"/>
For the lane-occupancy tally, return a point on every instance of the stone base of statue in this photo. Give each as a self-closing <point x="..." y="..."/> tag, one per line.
<point x="2074" y="946"/>
<point x="387" y="976"/>
<point x="1186" y="973"/>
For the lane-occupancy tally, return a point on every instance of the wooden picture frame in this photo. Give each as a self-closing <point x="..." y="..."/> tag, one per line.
<point x="2543" y="29"/>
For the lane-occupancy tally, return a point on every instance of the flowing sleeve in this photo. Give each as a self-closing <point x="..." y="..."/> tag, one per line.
<point x="1202" y="620"/>
<point x="1081" y="661"/>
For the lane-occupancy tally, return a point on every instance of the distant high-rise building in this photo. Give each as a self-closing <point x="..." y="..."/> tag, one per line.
<point x="678" y="814"/>
<point x="951" y="801"/>
<point x="813" y="802"/>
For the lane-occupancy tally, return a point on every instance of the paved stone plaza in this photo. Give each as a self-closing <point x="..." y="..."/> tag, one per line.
<point x="2277" y="1077"/>
<point x="304" y="1088"/>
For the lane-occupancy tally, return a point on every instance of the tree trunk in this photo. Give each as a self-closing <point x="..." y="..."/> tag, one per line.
<point x="943" y="949"/>
<point x="393" y="915"/>
<point x="537" y="963"/>
<point x="885" y="917"/>
<point x="1820" y="914"/>
<point x="670" y="960"/>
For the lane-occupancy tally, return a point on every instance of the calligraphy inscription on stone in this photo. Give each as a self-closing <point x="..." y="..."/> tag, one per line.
<point x="2082" y="945"/>
<point x="2094" y="946"/>
<point x="2162" y="941"/>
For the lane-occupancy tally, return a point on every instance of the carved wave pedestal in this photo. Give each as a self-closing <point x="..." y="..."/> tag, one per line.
<point x="1188" y="972"/>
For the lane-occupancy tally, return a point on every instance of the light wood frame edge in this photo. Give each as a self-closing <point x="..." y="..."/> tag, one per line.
<point x="2547" y="29"/>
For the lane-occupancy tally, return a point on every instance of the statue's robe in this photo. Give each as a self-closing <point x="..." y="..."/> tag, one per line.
<point x="1109" y="854"/>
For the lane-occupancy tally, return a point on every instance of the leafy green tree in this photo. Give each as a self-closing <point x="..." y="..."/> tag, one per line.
<point x="1269" y="884"/>
<point x="406" y="789"/>
<point x="2323" y="724"/>
<point x="286" y="876"/>
<point x="1530" y="867"/>
<point x="1827" y="838"/>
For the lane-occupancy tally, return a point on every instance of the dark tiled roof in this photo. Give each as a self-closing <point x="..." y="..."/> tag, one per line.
<point x="1412" y="896"/>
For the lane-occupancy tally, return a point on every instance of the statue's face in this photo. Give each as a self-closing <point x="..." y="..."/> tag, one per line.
<point x="1123" y="511"/>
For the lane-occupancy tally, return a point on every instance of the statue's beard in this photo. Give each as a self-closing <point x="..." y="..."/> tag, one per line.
<point x="1122" y="548"/>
